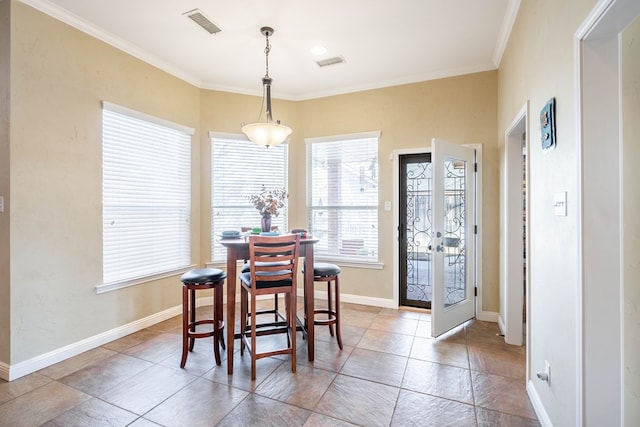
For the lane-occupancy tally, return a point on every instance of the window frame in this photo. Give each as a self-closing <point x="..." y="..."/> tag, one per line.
<point x="281" y="221"/>
<point x="185" y="195"/>
<point x="344" y="260"/>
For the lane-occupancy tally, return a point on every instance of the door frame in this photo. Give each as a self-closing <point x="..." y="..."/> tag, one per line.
<point x="600" y="314"/>
<point x="395" y="157"/>
<point x="512" y="295"/>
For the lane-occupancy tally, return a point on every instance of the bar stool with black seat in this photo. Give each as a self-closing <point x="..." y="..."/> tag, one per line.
<point x="326" y="272"/>
<point x="273" y="266"/>
<point x="192" y="281"/>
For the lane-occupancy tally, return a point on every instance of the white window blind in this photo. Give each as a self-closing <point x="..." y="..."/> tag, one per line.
<point x="240" y="168"/>
<point x="342" y="203"/>
<point x="146" y="200"/>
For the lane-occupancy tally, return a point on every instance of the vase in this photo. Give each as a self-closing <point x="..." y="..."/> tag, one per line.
<point x="266" y="223"/>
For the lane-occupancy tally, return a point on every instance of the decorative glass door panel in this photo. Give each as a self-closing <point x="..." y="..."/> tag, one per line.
<point x="415" y="230"/>
<point x="452" y="237"/>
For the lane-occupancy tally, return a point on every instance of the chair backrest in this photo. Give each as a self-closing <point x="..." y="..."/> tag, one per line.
<point x="273" y="260"/>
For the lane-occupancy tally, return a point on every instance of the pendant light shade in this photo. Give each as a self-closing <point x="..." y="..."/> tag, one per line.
<point x="266" y="133"/>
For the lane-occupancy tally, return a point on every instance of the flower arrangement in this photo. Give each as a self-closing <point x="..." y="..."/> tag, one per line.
<point x="267" y="202"/>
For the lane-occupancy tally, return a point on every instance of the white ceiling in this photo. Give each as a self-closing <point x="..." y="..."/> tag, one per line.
<point x="384" y="43"/>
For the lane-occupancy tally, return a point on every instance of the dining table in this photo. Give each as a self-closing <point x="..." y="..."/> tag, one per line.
<point x="238" y="250"/>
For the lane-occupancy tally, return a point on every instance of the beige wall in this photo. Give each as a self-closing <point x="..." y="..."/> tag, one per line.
<point x="631" y="220"/>
<point x="5" y="309"/>
<point x="537" y="65"/>
<point x="59" y="78"/>
<point x="458" y="109"/>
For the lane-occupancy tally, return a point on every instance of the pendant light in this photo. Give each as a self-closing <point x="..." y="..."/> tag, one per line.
<point x="266" y="133"/>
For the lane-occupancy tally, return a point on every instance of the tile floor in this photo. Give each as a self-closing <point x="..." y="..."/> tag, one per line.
<point x="390" y="373"/>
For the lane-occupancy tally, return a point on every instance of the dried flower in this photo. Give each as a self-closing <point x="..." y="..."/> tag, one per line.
<point x="267" y="202"/>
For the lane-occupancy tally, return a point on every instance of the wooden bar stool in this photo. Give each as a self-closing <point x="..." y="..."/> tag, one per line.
<point x="326" y="272"/>
<point x="273" y="264"/>
<point x="192" y="281"/>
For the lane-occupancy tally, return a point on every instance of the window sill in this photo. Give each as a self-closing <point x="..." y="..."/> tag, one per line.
<point x="113" y="286"/>
<point x="350" y="262"/>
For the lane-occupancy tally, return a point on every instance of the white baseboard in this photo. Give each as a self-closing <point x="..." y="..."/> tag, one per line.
<point x="12" y="372"/>
<point x="538" y="407"/>
<point x="501" y="325"/>
<point x="488" y="316"/>
<point x="4" y="371"/>
<point x="358" y="299"/>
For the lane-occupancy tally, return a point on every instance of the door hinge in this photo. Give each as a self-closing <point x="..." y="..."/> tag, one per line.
<point x="475" y="229"/>
<point x="475" y="167"/>
<point x="475" y="291"/>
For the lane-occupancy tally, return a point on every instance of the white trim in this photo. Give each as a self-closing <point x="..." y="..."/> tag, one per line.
<point x="505" y="30"/>
<point x="4" y="371"/>
<point x="360" y="299"/>
<point x="488" y="316"/>
<point x="512" y="275"/>
<point x="538" y="407"/>
<point x="599" y="377"/>
<point x="47" y="359"/>
<point x="479" y="224"/>
<point x="147" y="117"/>
<point x="346" y="262"/>
<point x="345" y="137"/>
<point x="501" y="324"/>
<point x="227" y="135"/>
<point x="108" y="287"/>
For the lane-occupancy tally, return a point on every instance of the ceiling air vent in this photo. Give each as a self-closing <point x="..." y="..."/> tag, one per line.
<point x="330" y="61"/>
<point x="198" y="17"/>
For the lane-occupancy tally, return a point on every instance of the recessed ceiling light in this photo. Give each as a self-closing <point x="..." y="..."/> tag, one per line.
<point x="318" y="50"/>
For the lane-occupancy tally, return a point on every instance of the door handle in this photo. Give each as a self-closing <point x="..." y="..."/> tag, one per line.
<point x="439" y="248"/>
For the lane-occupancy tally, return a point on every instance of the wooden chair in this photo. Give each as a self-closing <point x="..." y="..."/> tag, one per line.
<point x="275" y="310"/>
<point x="273" y="266"/>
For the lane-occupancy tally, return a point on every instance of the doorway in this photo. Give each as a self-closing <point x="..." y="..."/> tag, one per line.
<point x="414" y="230"/>
<point x="515" y="228"/>
<point x="605" y="393"/>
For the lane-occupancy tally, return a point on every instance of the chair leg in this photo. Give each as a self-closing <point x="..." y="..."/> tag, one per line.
<point x="291" y="319"/>
<point x="329" y="305"/>
<point x="217" y="314"/>
<point x="192" y="317"/>
<point x="253" y="337"/>
<point x="337" y="310"/>
<point x="185" y="325"/>
<point x="243" y="319"/>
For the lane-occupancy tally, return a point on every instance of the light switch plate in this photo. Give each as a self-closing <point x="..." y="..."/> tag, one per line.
<point x="560" y="203"/>
<point x="387" y="205"/>
<point x="1" y="204"/>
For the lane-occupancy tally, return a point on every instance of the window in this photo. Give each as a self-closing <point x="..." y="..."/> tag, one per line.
<point x="146" y="199"/>
<point x="240" y="168"/>
<point x="342" y="204"/>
